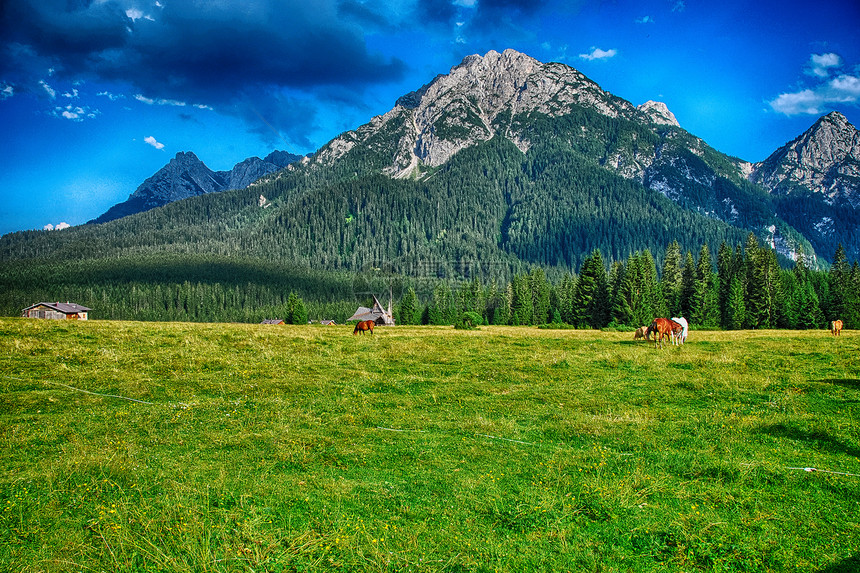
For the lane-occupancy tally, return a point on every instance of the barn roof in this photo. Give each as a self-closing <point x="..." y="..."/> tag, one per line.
<point x="64" y="307"/>
<point x="375" y="314"/>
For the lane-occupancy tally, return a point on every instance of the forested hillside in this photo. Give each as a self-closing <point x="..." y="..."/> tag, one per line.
<point x="529" y="204"/>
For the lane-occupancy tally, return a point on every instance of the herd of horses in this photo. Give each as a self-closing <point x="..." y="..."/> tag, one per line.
<point x="675" y="329"/>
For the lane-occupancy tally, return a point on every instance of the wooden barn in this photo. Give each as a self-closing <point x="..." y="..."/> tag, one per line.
<point x="376" y="313"/>
<point x="272" y="321"/>
<point x="56" y="311"/>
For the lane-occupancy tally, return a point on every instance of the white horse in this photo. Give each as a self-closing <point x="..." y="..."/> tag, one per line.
<point x="681" y="338"/>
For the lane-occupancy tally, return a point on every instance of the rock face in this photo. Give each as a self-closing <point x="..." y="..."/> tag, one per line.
<point x="186" y="176"/>
<point x="815" y="182"/>
<point x="658" y="113"/>
<point x="480" y="98"/>
<point x="824" y="159"/>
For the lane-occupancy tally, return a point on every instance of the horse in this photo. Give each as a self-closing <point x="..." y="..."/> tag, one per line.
<point x="682" y="337"/>
<point x="836" y="327"/>
<point x="640" y="332"/>
<point x="663" y="327"/>
<point x="360" y="327"/>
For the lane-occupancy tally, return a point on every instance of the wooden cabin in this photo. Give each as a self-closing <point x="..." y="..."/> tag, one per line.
<point x="56" y="311"/>
<point x="272" y="321"/>
<point x="376" y="313"/>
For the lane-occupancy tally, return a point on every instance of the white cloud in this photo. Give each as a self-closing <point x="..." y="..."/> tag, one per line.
<point x="110" y="96"/>
<point x="58" y="227"/>
<point x="831" y="89"/>
<point x="149" y="101"/>
<point x="52" y="93"/>
<point x="6" y="91"/>
<point x="598" y="54"/>
<point x="134" y="14"/>
<point x="645" y="20"/>
<point x="72" y="94"/>
<point x="151" y="140"/>
<point x="75" y="112"/>
<point x="679" y="6"/>
<point x="844" y="89"/>
<point x="820" y="64"/>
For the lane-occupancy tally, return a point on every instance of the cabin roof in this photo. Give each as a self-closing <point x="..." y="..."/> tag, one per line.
<point x="64" y="307"/>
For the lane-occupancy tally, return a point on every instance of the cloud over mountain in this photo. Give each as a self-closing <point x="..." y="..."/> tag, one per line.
<point x="833" y="87"/>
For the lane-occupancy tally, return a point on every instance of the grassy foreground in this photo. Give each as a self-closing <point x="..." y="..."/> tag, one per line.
<point x="223" y="447"/>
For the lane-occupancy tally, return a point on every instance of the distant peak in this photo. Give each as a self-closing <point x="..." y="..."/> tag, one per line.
<point x="659" y="113"/>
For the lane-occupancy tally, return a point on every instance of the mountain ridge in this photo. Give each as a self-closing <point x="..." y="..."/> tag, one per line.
<point x="187" y="176"/>
<point x="578" y="149"/>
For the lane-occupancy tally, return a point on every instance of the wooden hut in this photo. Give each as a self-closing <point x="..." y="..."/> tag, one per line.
<point x="376" y="313"/>
<point x="56" y="311"/>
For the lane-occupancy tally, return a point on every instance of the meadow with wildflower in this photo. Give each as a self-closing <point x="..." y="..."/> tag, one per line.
<point x="130" y="446"/>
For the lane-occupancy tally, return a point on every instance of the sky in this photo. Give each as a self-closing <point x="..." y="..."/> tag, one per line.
<point x="98" y="95"/>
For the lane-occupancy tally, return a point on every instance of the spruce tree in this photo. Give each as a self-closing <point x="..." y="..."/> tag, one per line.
<point x="409" y="308"/>
<point x="688" y="287"/>
<point x="725" y="274"/>
<point x="840" y="276"/>
<point x="670" y="279"/>
<point x="736" y="310"/>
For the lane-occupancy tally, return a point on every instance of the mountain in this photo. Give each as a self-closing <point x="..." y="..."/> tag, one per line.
<point x="500" y="165"/>
<point x="816" y="182"/>
<point x="512" y="96"/>
<point x="186" y="176"/>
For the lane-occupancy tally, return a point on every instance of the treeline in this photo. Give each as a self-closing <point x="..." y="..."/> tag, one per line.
<point x="745" y="288"/>
<point x="740" y="287"/>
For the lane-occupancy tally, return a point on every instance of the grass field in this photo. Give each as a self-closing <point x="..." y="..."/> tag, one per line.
<point x="225" y="447"/>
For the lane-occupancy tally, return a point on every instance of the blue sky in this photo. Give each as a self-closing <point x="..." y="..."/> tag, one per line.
<point x="97" y="95"/>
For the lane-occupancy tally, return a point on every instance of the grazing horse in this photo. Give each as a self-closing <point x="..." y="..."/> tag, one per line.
<point x="836" y="327"/>
<point x="663" y="327"/>
<point x="640" y="332"/>
<point x="682" y="337"/>
<point x="362" y="326"/>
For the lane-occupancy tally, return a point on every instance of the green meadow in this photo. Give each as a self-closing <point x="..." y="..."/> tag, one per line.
<point x="132" y="446"/>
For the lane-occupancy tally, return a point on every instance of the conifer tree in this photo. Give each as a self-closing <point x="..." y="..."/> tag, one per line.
<point x="566" y="294"/>
<point x="725" y="274"/>
<point x="409" y="309"/>
<point x="541" y="300"/>
<point x="688" y="287"/>
<point x="522" y="304"/>
<point x="840" y="276"/>
<point x="441" y="309"/>
<point x="704" y="309"/>
<point x="620" y="312"/>
<point x="590" y="294"/>
<point x="736" y="311"/>
<point x="670" y="279"/>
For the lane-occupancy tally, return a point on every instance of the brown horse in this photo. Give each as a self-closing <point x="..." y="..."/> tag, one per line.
<point x="836" y="327"/>
<point x="362" y="326"/>
<point x="663" y="327"/>
<point x="640" y="332"/>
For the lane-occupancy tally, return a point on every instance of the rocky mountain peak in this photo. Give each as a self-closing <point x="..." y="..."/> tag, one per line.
<point x="478" y="99"/>
<point x="823" y="159"/>
<point x="658" y="113"/>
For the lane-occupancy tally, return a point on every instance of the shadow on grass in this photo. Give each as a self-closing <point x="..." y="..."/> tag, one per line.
<point x="814" y="438"/>
<point x="849" y="565"/>
<point x="852" y="383"/>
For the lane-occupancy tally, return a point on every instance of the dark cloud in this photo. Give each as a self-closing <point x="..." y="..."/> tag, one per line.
<point x="437" y="11"/>
<point x="221" y="54"/>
